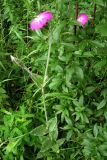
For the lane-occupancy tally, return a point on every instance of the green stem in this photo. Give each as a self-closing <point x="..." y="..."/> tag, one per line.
<point x="45" y="77"/>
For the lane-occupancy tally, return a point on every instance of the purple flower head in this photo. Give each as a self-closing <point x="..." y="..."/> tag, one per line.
<point x="82" y="19"/>
<point x="41" y="20"/>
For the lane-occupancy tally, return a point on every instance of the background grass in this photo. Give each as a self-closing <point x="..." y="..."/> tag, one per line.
<point x="53" y="82"/>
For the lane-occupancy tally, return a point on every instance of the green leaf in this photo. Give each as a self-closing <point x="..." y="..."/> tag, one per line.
<point x="55" y="148"/>
<point x="90" y="89"/>
<point x="79" y="73"/>
<point x="76" y="103"/>
<point x="98" y="43"/>
<point x="95" y="130"/>
<point x="69" y="75"/>
<point x="68" y="120"/>
<point x="52" y="124"/>
<point x="101" y="28"/>
<point x="46" y="144"/>
<point x="101" y="104"/>
<point x="99" y="2"/>
<point x="39" y="131"/>
<point x="103" y="149"/>
<point x="105" y="114"/>
<point x="56" y="82"/>
<point x="81" y="99"/>
<point x="49" y="158"/>
<point x="5" y="111"/>
<point x="69" y="135"/>
<point x="87" y="54"/>
<point x="104" y="93"/>
<point x="17" y="33"/>
<point x="40" y="155"/>
<point x="57" y="31"/>
<point x="3" y="67"/>
<point x="52" y="127"/>
<point x="11" y="146"/>
<point x="61" y="141"/>
<point x="100" y="64"/>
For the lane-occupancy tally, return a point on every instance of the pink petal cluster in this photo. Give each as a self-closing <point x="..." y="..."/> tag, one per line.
<point x="83" y="19"/>
<point x="41" y="20"/>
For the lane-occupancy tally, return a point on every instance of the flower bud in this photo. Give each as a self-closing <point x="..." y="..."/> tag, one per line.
<point x="41" y="20"/>
<point x="83" y="19"/>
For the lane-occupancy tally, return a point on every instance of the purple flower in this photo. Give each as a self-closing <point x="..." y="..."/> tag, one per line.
<point x="41" y="20"/>
<point x="82" y="19"/>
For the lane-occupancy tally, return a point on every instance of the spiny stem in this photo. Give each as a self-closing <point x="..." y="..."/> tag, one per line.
<point x="45" y="77"/>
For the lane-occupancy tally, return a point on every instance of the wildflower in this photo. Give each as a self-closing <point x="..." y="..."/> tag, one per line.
<point x="41" y="20"/>
<point x="83" y="19"/>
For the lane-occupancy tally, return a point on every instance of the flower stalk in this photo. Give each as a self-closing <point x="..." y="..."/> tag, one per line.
<point x="45" y="77"/>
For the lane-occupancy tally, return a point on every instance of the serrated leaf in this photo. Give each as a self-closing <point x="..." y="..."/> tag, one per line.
<point x="52" y="128"/>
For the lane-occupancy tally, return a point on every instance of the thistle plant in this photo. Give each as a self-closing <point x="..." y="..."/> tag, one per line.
<point x="53" y="92"/>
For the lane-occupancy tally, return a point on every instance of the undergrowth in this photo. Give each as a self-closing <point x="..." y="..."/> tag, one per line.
<point x="53" y="81"/>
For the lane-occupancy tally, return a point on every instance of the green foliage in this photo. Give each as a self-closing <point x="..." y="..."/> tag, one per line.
<point x="53" y="83"/>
